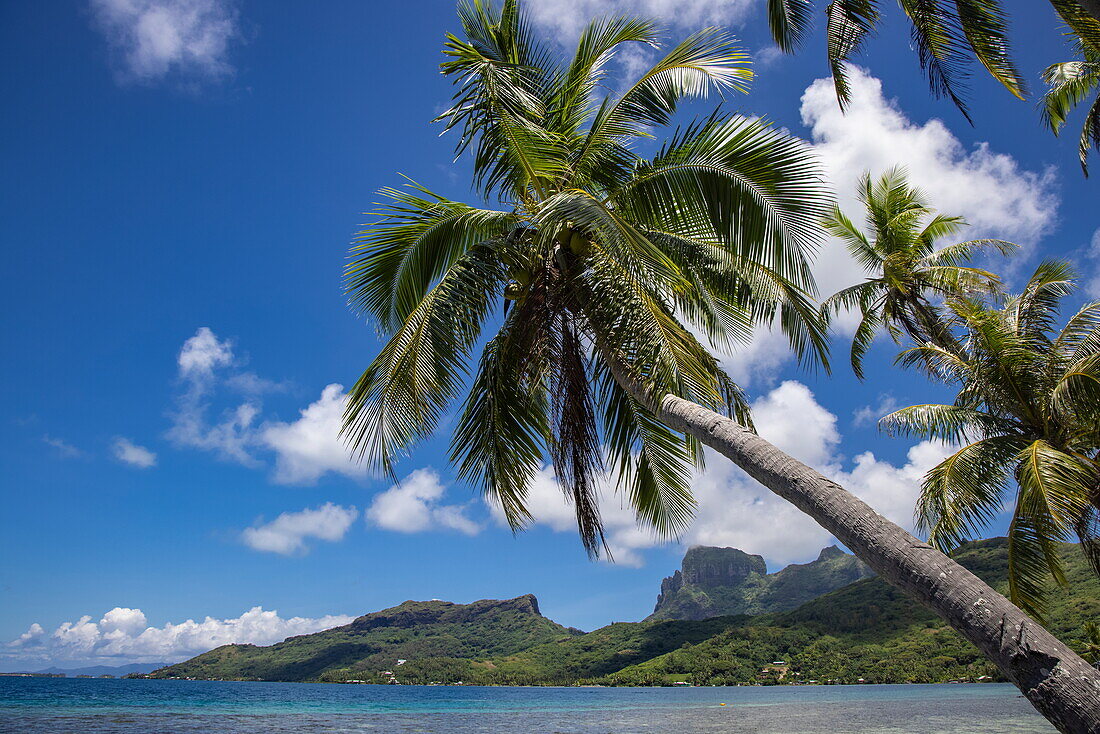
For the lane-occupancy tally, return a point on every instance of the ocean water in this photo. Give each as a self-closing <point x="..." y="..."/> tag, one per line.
<point x="145" y="706"/>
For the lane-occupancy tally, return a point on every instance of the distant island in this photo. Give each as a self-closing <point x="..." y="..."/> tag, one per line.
<point x="859" y="631"/>
<point x="93" y="671"/>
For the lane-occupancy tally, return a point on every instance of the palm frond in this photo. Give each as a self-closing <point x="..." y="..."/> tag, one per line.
<point x="789" y="21"/>
<point x="707" y="60"/>
<point x="396" y="260"/>
<point x="753" y="188"/>
<point x="400" y="397"/>
<point x="942" y="47"/>
<point x="986" y="27"/>
<point x="848" y="25"/>
<point x="962" y="494"/>
<point x="1048" y="506"/>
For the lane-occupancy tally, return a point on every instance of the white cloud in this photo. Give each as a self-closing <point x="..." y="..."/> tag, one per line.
<point x="1092" y="284"/>
<point x="64" y="448"/>
<point x="990" y="190"/>
<point x="305" y="449"/>
<point x="123" y="635"/>
<point x="200" y="360"/>
<point x="415" y="505"/>
<point x="568" y="17"/>
<point x="311" y="446"/>
<point x="287" y="534"/>
<point x="734" y="510"/>
<point x="869" y="414"/>
<point x="130" y="453"/>
<point x="156" y="37"/>
<point x="202" y="353"/>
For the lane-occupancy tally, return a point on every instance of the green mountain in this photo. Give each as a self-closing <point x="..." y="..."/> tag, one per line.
<point x="721" y="581"/>
<point x="864" y="630"/>
<point x="428" y="635"/>
<point x="867" y="630"/>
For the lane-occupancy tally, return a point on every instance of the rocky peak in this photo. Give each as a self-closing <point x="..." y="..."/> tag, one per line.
<point x="721" y="581"/>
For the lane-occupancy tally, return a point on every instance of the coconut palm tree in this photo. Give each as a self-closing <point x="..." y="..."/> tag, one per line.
<point x="948" y="35"/>
<point x="1027" y="414"/>
<point x="602" y="259"/>
<point x="1071" y="83"/>
<point x="906" y="268"/>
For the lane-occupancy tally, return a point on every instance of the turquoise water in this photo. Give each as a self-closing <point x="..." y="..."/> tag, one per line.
<point x="133" y="706"/>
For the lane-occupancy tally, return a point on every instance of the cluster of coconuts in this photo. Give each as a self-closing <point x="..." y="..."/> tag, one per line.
<point x="577" y="243"/>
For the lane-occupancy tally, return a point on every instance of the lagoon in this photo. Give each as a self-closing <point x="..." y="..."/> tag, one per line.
<point x="131" y="706"/>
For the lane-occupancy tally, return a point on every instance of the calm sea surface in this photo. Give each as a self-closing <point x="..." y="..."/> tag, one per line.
<point x="146" y="706"/>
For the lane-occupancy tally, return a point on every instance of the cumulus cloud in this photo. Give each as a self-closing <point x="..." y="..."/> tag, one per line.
<point x="990" y="190"/>
<point x="200" y="361"/>
<point x="311" y="446"/>
<point x="416" y="505"/>
<point x="202" y="353"/>
<point x="287" y="534"/>
<point x="124" y="635"/>
<point x="154" y="38"/>
<point x="130" y="453"/>
<point x="734" y="510"/>
<point x="304" y="449"/>
<point x="568" y="17"/>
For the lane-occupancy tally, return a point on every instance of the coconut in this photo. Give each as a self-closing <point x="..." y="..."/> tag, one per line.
<point x="579" y="244"/>
<point x="513" y="291"/>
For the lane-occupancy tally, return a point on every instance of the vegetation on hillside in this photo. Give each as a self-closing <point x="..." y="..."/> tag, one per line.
<point x="747" y="588"/>
<point x="865" y="630"/>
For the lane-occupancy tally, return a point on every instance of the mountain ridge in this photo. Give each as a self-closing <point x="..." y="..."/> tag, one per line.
<point x="865" y="630"/>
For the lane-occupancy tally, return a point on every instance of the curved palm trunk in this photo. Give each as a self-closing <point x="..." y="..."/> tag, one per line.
<point x="1062" y="686"/>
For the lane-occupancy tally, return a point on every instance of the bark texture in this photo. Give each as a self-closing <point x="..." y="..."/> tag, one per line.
<point x="1061" y="685"/>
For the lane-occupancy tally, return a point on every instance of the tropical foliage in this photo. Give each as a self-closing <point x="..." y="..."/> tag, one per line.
<point x="1072" y="83"/>
<point x="949" y="37"/>
<point x="906" y="265"/>
<point x="607" y="266"/>
<point x="1027" y="413"/>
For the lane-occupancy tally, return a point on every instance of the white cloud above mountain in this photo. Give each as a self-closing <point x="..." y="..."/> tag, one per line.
<point x="155" y="38"/>
<point x="124" y="635"/>
<point x="734" y="510"/>
<point x="416" y="505"/>
<point x="289" y="533"/>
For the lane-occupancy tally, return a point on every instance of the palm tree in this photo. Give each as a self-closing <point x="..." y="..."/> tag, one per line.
<point x="949" y="35"/>
<point x="600" y="258"/>
<point x="1028" y="413"/>
<point x="904" y="265"/>
<point x="1071" y="83"/>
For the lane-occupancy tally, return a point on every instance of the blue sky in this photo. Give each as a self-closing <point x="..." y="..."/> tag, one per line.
<point x="182" y="180"/>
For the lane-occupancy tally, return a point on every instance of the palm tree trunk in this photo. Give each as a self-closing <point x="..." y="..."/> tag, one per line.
<point x="1062" y="686"/>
